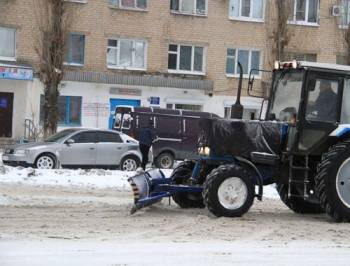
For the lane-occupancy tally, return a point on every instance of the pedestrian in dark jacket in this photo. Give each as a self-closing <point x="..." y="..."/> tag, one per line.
<point x="147" y="137"/>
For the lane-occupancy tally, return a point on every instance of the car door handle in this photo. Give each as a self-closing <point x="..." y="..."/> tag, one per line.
<point x="119" y="148"/>
<point x="92" y="148"/>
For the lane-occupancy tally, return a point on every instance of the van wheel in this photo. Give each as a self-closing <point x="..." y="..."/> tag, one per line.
<point x="164" y="160"/>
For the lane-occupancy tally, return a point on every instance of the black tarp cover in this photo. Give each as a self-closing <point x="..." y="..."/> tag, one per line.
<point x="239" y="137"/>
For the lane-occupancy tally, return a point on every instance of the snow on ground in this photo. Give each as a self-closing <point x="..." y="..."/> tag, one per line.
<point x="77" y="217"/>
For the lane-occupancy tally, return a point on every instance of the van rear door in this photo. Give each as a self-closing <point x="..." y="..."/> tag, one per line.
<point x="167" y="124"/>
<point x="190" y="131"/>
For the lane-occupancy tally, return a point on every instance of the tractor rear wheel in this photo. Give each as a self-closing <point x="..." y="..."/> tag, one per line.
<point x="228" y="191"/>
<point x="179" y="176"/>
<point x="333" y="182"/>
<point x="297" y="205"/>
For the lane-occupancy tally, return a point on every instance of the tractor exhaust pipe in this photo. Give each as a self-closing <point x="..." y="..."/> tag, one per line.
<point x="237" y="108"/>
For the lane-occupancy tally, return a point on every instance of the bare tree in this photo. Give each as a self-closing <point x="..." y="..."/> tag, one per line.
<point x="55" y="20"/>
<point x="281" y="34"/>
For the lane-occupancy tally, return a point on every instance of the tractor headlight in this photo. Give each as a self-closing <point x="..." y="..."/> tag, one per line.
<point x="290" y="64"/>
<point x="277" y="65"/>
<point x="203" y="151"/>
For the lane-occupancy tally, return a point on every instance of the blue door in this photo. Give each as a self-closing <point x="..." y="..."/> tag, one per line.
<point x="115" y="102"/>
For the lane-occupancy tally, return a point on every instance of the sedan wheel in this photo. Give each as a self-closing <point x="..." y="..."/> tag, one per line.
<point x="45" y="162"/>
<point x="129" y="163"/>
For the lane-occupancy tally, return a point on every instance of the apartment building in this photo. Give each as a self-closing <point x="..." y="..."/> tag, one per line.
<point x="172" y="54"/>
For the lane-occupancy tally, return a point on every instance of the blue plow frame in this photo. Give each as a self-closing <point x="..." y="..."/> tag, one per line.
<point x="151" y="186"/>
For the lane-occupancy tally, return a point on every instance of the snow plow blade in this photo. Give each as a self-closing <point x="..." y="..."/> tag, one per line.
<point x="148" y="188"/>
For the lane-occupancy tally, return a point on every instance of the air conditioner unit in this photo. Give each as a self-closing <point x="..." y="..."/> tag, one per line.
<point x="335" y="11"/>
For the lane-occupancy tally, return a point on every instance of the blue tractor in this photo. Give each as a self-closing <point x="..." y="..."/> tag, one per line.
<point x="301" y="144"/>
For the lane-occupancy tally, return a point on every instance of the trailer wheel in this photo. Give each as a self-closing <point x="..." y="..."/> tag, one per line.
<point x="333" y="182"/>
<point x="164" y="160"/>
<point x="180" y="176"/>
<point x="228" y="191"/>
<point x="297" y="205"/>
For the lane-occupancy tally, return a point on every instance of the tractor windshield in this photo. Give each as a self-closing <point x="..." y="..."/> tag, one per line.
<point x="285" y="95"/>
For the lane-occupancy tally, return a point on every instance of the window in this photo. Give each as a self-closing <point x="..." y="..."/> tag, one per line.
<point x="248" y="113"/>
<point x="130" y="54"/>
<point x="303" y="11"/>
<point x="186" y="58"/>
<point x="301" y="57"/>
<point x="75" y="53"/>
<point x="341" y="60"/>
<point x="84" y="137"/>
<point x="69" y="110"/>
<point x="345" y="107"/>
<point x="180" y="106"/>
<point x="249" y="59"/>
<point x="7" y="44"/>
<point x="191" y="7"/>
<point x="247" y="9"/>
<point x="322" y="100"/>
<point x="344" y="17"/>
<point x="109" y="137"/>
<point x="129" y="4"/>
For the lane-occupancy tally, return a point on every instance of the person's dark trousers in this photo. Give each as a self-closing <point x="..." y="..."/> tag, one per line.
<point x="144" y="150"/>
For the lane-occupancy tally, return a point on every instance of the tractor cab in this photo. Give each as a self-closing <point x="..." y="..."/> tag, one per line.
<point x="309" y="98"/>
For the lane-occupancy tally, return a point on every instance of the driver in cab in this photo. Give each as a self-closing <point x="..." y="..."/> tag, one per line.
<point x="325" y="104"/>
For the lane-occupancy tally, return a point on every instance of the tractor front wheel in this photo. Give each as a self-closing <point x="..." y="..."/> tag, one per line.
<point x="228" y="191"/>
<point x="180" y="176"/>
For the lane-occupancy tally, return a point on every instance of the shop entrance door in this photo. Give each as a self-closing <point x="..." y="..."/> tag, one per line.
<point x="6" y="112"/>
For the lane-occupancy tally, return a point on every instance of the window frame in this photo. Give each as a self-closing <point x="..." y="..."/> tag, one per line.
<point x="120" y="6"/>
<point x="11" y="58"/>
<point x="178" y="57"/>
<point x="340" y="60"/>
<point x="344" y="14"/>
<point x="193" y="13"/>
<point x="250" y="18"/>
<point x="102" y="137"/>
<point x="70" y="51"/>
<point x="302" y="56"/>
<point x="305" y="22"/>
<point x="117" y="59"/>
<point x="184" y="106"/>
<point x="235" y="57"/>
<point x="67" y="108"/>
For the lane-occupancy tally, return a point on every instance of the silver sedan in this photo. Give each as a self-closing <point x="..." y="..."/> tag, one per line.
<point x="78" y="148"/>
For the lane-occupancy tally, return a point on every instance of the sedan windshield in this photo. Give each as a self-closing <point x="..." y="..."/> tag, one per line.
<point x="286" y="94"/>
<point x="59" y="136"/>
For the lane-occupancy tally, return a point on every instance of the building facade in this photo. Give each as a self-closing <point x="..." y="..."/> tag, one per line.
<point x="172" y="54"/>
